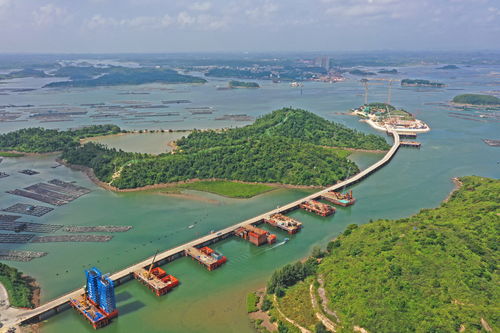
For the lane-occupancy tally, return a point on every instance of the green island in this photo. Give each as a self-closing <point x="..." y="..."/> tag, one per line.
<point x="18" y="287"/>
<point x="435" y="271"/>
<point x="361" y="72"/>
<point x="476" y="99"/>
<point x="388" y="71"/>
<point x="28" y="72"/>
<point x="421" y="83"/>
<point x="40" y="140"/>
<point x="240" y="84"/>
<point x="122" y="76"/>
<point x="287" y="146"/>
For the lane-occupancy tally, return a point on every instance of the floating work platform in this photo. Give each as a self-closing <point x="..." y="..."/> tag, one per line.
<point x="92" y="313"/>
<point x="157" y="280"/>
<point x="206" y="256"/>
<point x="412" y="144"/>
<point x="255" y="235"/>
<point x="339" y="198"/>
<point x="317" y="207"/>
<point x="407" y="135"/>
<point x="284" y="222"/>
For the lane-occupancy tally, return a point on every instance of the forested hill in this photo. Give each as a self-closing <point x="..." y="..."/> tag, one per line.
<point x="286" y="146"/>
<point x="287" y="123"/>
<point x="40" y="140"/>
<point x="436" y="271"/>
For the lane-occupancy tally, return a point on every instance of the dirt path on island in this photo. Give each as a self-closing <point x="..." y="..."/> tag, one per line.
<point x="291" y="321"/>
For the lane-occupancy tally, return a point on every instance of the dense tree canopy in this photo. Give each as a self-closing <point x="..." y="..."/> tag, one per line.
<point x="287" y="146"/>
<point x="476" y="99"/>
<point x="17" y="286"/>
<point x="121" y="76"/>
<point x="40" y="140"/>
<point x="433" y="272"/>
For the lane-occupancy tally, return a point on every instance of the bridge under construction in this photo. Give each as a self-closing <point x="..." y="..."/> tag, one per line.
<point x="62" y="303"/>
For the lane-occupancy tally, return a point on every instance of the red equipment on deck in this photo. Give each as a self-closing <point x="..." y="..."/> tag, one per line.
<point x="338" y="198"/>
<point x="207" y="257"/>
<point x="317" y="207"/>
<point x="255" y="235"/>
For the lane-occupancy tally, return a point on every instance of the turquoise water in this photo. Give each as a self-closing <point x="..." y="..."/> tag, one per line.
<point x="215" y="301"/>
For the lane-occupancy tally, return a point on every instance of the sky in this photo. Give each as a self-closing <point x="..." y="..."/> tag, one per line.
<point x="168" y="26"/>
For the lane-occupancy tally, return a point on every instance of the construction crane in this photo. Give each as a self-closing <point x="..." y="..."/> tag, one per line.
<point x="389" y="91"/>
<point x="151" y="266"/>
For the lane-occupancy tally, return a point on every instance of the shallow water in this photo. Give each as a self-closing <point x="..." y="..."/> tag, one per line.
<point x="215" y="301"/>
<point x="152" y="143"/>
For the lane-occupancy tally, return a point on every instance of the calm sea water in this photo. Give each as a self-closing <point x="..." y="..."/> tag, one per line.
<point x="215" y="301"/>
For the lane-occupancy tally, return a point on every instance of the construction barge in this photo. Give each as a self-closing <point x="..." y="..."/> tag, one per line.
<point x="156" y="279"/>
<point x="284" y="222"/>
<point x="411" y="144"/>
<point x="339" y="198"/>
<point x="317" y="207"/>
<point x="206" y="256"/>
<point x="255" y="235"/>
<point x="97" y="305"/>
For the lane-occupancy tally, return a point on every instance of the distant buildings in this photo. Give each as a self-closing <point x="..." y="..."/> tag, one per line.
<point x="323" y="62"/>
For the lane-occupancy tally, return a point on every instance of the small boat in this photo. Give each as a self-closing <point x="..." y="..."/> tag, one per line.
<point x="286" y="240"/>
<point x="191" y="226"/>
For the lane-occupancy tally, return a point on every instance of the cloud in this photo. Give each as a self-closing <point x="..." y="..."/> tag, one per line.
<point x="201" y="21"/>
<point x="201" y="6"/>
<point x="49" y="14"/>
<point x="263" y="11"/>
<point x="183" y="20"/>
<point x="4" y="5"/>
<point x="98" y="21"/>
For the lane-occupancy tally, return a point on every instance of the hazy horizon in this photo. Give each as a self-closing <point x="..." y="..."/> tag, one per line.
<point x="222" y="26"/>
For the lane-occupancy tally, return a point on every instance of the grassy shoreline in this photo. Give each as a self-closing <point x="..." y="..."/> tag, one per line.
<point x="228" y="189"/>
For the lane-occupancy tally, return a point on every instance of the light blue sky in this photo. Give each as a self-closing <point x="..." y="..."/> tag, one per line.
<point x="247" y="25"/>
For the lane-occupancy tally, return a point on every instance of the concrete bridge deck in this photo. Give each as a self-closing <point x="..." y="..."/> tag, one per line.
<point x="61" y="303"/>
